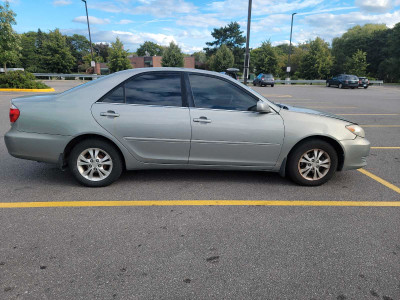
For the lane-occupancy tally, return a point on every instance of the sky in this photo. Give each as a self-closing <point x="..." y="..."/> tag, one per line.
<point x="189" y="23"/>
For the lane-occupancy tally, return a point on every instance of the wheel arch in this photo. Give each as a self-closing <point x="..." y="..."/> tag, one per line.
<point x="76" y="140"/>
<point x="334" y="143"/>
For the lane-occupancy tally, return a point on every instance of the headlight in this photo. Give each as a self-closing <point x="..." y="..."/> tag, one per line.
<point x="357" y="130"/>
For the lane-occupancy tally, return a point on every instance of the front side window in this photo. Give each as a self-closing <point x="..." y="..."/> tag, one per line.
<point x="154" y="89"/>
<point x="214" y="93"/>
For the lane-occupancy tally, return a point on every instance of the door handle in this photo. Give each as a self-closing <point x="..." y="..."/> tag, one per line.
<point x="109" y="113"/>
<point x="202" y="120"/>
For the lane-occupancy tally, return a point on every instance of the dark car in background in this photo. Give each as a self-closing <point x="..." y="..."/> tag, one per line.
<point x="363" y="82"/>
<point x="264" y="80"/>
<point x="343" y="81"/>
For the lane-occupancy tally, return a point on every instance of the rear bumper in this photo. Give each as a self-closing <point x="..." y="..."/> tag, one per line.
<point x="355" y="153"/>
<point x="35" y="146"/>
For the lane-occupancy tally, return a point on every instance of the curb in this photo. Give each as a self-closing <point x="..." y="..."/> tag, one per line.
<point x="29" y="90"/>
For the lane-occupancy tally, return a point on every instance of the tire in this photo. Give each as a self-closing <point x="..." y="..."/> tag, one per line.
<point x="311" y="177"/>
<point x="365" y="87"/>
<point x="110" y="169"/>
<point x="340" y="86"/>
<point x="254" y="84"/>
<point x="328" y="84"/>
<point x="353" y="88"/>
<point x="272" y="85"/>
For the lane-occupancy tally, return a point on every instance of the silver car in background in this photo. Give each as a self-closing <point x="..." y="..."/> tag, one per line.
<point x="161" y="118"/>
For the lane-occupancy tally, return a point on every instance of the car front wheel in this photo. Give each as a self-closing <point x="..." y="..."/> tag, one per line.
<point x="340" y="86"/>
<point x="312" y="163"/>
<point x="328" y="84"/>
<point x="95" y="163"/>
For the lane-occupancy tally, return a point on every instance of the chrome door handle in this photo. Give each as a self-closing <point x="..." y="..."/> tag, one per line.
<point x="202" y="120"/>
<point x="109" y="113"/>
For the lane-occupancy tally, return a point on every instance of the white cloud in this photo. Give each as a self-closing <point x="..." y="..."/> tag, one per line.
<point x="62" y="2"/>
<point x="374" y="5"/>
<point x="205" y="20"/>
<point x="124" y="22"/>
<point x="92" y="20"/>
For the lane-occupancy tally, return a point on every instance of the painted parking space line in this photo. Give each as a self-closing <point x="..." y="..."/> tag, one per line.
<point x="368" y="114"/>
<point x="331" y="106"/>
<point x="198" y="203"/>
<point x="385" y="148"/>
<point x="380" y="180"/>
<point x="277" y="96"/>
<point x="380" y="125"/>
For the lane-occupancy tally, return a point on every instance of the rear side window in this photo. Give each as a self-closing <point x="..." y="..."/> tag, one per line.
<point x="214" y="93"/>
<point x="154" y="89"/>
<point x="116" y="96"/>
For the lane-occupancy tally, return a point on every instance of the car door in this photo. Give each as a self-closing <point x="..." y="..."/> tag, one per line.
<point x="148" y="115"/>
<point x="226" y="129"/>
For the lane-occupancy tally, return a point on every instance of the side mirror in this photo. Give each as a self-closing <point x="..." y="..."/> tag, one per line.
<point x="263" y="107"/>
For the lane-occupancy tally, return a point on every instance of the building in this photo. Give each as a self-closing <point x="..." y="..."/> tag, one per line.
<point x="155" y="61"/>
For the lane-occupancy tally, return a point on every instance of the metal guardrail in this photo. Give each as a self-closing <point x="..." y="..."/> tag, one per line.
<point x="95" y="76"/>
<point x="63" y="76"/>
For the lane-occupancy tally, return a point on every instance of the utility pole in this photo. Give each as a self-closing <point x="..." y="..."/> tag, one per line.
<point x="288" y="69"/>
<point x="247" y="54"/>
<point x="90" y="37"/>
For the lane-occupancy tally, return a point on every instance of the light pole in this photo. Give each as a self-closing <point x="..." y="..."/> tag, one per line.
<point x="247" y="54"/>
<point x="90" y="37"/>
<point x="290" y="47"/>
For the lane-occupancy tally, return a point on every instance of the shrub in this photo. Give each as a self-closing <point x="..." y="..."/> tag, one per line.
<point x="20" y="80"/>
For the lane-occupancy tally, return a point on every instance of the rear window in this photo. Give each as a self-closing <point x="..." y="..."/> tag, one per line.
<point x="269" y="75"/>
<point x="351" y="77"/>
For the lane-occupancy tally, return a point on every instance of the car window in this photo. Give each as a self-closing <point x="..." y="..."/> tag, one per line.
<point x="269" y="75"/>
<point x="154" y="89"/>
<point x="214" y="93"/>
<point x="116" y="96"/>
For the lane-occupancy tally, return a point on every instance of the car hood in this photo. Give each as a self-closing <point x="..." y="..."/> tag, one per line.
<point x="312" y="111"/>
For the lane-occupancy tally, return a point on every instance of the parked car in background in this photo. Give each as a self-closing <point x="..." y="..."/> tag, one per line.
<point x="343" y="81"/>
<point x="162" y="118"/>
<point x="232" y="72"/>
<point x="264" y="80"/>
<point x="363" y="82"/>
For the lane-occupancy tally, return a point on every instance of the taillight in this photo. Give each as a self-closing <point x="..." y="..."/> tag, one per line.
<point x="346" y="81"/>
<point x="14" y="114"/>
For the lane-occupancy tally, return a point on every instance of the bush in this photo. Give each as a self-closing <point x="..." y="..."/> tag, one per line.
<point x="20" y="80"/>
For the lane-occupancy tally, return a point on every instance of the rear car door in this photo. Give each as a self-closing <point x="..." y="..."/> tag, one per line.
<point x="149" y="115"/>
<point x="226" y="129"/>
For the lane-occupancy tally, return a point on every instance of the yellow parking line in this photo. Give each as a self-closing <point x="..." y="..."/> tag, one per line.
<point x="380" y="180"/>
<point x="385" y="147"/>
<point x="197" y="203"/>
<point x="278" y="96"/>
<point x="368" y="114"/>
<point x="380" y="125"/>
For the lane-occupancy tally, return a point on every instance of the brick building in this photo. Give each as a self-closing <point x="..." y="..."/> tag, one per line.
<point x="155" y="61"/>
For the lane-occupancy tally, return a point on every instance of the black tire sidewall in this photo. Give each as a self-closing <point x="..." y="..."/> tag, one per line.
<point x="295" y="155"/>
<point x="107" y="147"/>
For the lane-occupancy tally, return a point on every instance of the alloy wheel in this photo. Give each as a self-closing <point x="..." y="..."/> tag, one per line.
<point x="94" y="164"/>
<point x="314" y="164"/>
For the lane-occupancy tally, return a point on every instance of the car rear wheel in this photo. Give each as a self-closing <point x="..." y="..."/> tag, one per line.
<point x="312" y="163"/>
<point x="272" y="85"/>
<point x="365" y="87"/>
<point x="340" y="86"/>
<point x="95" y="163"/>
<point x="328" y="84"/>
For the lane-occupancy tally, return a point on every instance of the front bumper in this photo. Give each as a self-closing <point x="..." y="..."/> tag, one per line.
<point x="355" y="153"/>
<point x="35" y="146"/>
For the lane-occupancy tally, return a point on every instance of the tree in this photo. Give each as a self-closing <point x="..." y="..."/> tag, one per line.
<point x="102" y="49"/>
<point x="357" y="64"/>
<point x="9" y="39"/>
<point x="264" y="59"/>
<point x="233" y="38"/>
<point x="200" y="59"/>
<point x="56" y="54"/>
<point x="118" y="59"/>
<point x="222" y="59"/>
<point x="172" y="56"/>
<point x="318" y="61"/>
<point x="151" y="48"/>
<point x="79" y="46"/>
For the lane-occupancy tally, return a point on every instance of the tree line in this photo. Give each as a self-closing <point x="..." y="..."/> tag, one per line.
<point x="371" y="50"/>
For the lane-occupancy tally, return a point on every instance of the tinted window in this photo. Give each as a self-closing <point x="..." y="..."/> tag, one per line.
<point x="154" y="89"/>
<point x="269" y="75"/>
<point x="209" y="92"/>
<point x="116" y="96"/>
<point x="350" y="77"/>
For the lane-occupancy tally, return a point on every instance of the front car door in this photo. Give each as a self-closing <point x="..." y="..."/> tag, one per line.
<point x="226" y="129"/>
<point x="148" y="114"/>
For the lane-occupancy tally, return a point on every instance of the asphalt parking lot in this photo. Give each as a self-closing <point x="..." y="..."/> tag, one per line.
<point x="210" y="251"/>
